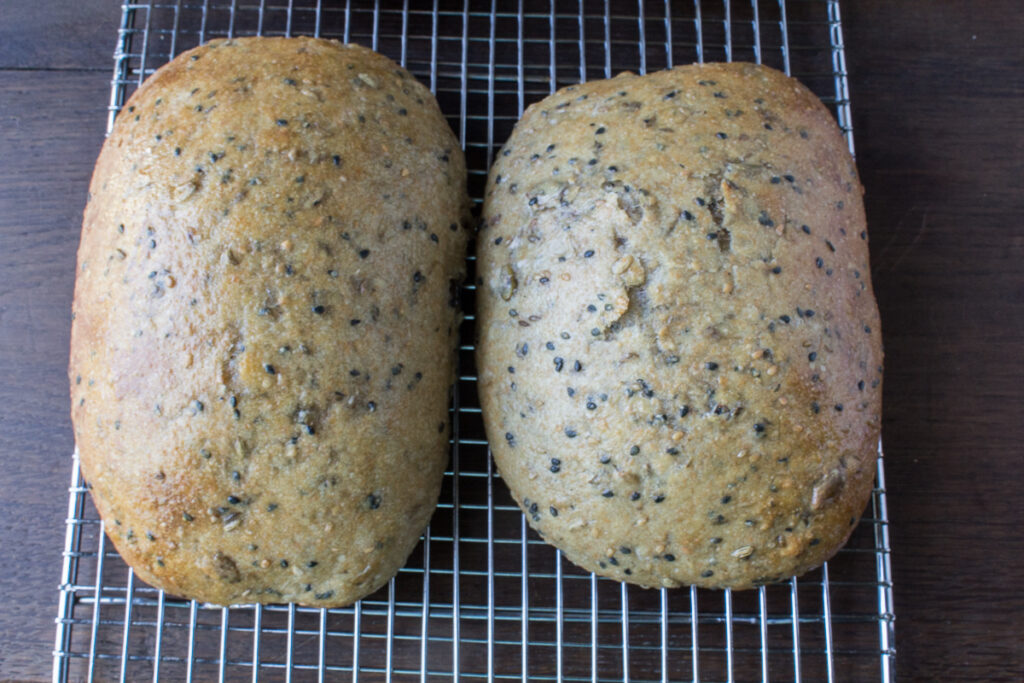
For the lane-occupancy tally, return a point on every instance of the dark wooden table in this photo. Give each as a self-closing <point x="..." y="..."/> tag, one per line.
<point x="937" y="92"/>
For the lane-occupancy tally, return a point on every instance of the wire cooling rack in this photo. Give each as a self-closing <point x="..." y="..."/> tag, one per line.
<point x="482" y="597"/>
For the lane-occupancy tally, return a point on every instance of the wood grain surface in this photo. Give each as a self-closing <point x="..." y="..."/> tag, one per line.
<point x="938" y="96"/>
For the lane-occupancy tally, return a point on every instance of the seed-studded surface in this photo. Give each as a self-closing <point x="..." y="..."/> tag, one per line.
<point x="679" y="355"/>
<point x="482" y="596"/>
<point x="265" y="321"/>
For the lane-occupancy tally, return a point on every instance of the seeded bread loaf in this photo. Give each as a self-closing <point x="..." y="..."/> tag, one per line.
<point x="264" y="332"/>
<point x="679" y="353"/>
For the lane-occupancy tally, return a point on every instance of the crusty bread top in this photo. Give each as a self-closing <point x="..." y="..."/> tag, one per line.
<point x="263" y="334"/>
<point x="679" y="353"/>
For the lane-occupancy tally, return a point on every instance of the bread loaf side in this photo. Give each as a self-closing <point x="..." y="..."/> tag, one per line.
<point x="264" y="329"/>
<point x="679" y="353"/>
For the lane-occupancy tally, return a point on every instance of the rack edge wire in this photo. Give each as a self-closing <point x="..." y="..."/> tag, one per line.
<point x="77" y="490"/>
<point x="886" y="608"/>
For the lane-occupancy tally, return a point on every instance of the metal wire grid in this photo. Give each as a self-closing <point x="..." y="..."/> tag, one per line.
<point x="483" y="597"/>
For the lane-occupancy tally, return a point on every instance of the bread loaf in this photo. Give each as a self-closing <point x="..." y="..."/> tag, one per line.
<point x="679" y="352"/>
<point x="264" y="329"/>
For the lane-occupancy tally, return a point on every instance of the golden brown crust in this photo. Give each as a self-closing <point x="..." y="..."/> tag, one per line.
<point x="263" y="335"/>
<point x="679" y="356"/>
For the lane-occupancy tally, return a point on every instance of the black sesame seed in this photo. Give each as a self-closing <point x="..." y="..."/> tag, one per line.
<point x="819" y="262"/>
<point x="417" y="276"/>
<point x="669" y="557"/>
<point x="720" y="135"/>
<point x="570" y="432"/>
<point x="777" y="269"/>
<point x="577" y="366"/>
<point x="806" y="229"/>
<point x="234" y="500"/>
<point x="354" y="321"/>
<point x="812" y="356"/>
<point x="588" y="253"/>
<point x="269" y="369"/>
<point x="839" y="407"/>
<point x="318" y="309"/>
<point x="591" y="405"/>
<point x="600" y="131"/>
<point x="707" y="573"/>
<point x="711" y="365"/>
<point x="759" y="427"/>
<point x="785" y="318"/>
<point x="373" y="501"/>
<point x="559" y="363"/>
<point x="635" y="495"/>
<point x="687" y="215"/>
<point x="815" y="541"/>
<point x="550" y="346"/>
<point x="510" y="437"/>
<point x="775" y="180"/>
<point x="553" y="510"/>
<point x="363" y="253"/>
<point x="659" y="498"/>
<point x="556" y="465"/>
<point x="607" y="493"/>
<point x="282" y="122"/>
